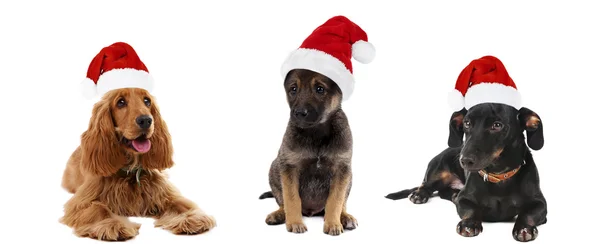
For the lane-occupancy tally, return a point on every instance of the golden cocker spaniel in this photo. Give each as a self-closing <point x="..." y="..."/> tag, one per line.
<point x="116" y="173"/>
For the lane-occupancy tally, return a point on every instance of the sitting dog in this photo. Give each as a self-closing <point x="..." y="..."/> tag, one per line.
<point x="492" y="177"/>
<point x="312" y="173"/>
<point x="116" y="172"/>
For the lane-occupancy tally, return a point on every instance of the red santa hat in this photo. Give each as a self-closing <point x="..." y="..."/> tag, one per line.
<point x="114" y="67"/>
<point x="484" y="80"/>
<point x="328" y="50"/>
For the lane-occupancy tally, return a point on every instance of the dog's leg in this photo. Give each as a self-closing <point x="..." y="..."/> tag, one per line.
<point x="292" y="204"/>
<point x="96" y="221"/>
<point x="470" y="214"/>
<point x="347" y="220"/>
<point x="277" y="217"/>
<point x="532" y="215"/>
<point x="336" y="200"/>
<point x="182" y="216"/>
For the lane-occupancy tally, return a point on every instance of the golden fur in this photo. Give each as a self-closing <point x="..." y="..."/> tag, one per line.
<point x="104" y="196"/>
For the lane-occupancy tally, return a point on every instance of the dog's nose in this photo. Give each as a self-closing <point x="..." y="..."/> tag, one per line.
<point x="144" y="121"/>
<point x="301" y="112"/>
<point x="467" y="162"/>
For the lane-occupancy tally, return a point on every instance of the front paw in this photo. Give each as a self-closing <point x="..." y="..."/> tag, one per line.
<point x="348" y="221"/>
<point x="469" y="228"/>
<point x="189" y="223"/>
<point x="296" y="227"/>
<point x="524" y="233"/>
<point x="111" y="230"/>
<point x="333" y="228"/>
<point x="419" y="197"/>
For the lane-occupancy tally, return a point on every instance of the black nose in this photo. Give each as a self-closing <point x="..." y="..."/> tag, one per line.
<point x="467" y="162"/>
<point x="144" y="121"/>
<point x="300" y="112"/>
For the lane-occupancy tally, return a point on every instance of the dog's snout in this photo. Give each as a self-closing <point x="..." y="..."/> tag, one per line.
<point x="144" y="121"/>
<point x="301" y="112"/>
<point x="467" y="162"/>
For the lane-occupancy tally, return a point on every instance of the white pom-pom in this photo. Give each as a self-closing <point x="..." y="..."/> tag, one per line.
<point x="456" y="100"/>
<point x="88" y="88"/>
<point x="363" y="51"/>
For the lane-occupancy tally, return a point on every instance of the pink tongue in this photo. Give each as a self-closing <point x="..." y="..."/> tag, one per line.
<point x="142" y="146"/>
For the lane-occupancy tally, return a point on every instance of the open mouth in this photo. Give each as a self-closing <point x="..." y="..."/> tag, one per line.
<point x="140" y="144"/>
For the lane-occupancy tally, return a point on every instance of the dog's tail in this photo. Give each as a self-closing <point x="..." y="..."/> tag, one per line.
<point x="266" y="195"/>
<point x="401" y="194"/>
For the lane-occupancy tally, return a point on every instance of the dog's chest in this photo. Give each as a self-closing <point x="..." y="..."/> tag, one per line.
<point x="500" y="207"/>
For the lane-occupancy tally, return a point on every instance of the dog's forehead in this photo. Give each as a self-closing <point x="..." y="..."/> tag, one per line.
<point x="303" y="77"/>
<point x="491" y="111"/>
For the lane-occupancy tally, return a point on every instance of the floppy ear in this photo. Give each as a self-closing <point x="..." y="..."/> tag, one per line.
<point x="532" y="124"/>
<point x="455" y="138"/>
<point x="100" y="150"/>
<point x="160" y="155"/>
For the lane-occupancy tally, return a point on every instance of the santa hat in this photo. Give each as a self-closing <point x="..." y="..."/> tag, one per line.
<point x="328" y="51"/>
<point x="484" y="80"/>
<point x="114" y="67"/>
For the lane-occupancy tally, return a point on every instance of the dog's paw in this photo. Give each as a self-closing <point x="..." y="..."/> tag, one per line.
<point x="276" y="218"/>
<point x="348" y="221"/>
<point x="111" y="230"/>
<point x="525" y="234"/>
<point x="419" y="197"/>
<point x="189" y="223"/>
<point x="469" y="228"/>
<point x="296" y="227"/>
<point x="333" y="228"/>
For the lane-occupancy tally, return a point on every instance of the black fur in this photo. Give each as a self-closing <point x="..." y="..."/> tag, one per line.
<point x="494" y="142"/>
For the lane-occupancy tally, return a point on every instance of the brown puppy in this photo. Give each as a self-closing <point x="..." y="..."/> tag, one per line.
<point x="116" y="173"/>
<point x="312" y="173"/>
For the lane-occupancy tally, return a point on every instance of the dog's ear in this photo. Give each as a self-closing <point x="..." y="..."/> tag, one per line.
<point x="455" y="138"/>
<point x="160" y="155"/>
<point x="100" y="149"/>
<point x="532" y="124"/>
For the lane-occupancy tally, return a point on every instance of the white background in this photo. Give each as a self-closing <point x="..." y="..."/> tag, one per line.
<point x="219" y="89"/>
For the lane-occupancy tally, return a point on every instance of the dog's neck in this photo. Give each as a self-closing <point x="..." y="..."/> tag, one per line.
<point x="511" y="158"/>
<point x="132" y="168"/>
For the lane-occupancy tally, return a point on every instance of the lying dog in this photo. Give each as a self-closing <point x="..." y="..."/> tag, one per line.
<point x="116" y="173"/>
<point x="492" y="177"/>
<point x="312" y="173"/>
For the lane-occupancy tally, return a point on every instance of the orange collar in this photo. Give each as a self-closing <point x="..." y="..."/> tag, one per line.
<point x="495" y="178"/>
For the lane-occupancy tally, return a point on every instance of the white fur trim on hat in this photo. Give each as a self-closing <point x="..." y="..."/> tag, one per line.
<point x="323" y="63"/>
<point x="88" y="88"/>
<point x="456" y="100"/>
<point x="492" y="93"/>
<point x="363" y="51"/>
<point x="117" y="79"/>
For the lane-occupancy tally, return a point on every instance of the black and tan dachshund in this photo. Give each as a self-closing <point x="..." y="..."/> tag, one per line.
<point x="492" y="176"/>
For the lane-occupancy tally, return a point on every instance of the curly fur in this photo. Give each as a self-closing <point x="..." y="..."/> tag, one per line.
<point x="102" y="198"/>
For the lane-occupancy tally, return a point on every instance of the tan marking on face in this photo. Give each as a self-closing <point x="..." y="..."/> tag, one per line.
<point x="497" y="153"/>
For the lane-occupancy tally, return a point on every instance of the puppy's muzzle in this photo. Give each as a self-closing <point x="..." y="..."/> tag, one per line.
<point x="300" y="113"/>
<point x="305" y="115"/>
<point x="144" y="121"/>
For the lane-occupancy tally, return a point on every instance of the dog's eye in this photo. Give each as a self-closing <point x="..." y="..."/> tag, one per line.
<point x="121" y="103"/>
<point x="147" y="101"/>
<point x="293" y="90"/>
<point x="497" y="126"/>
<point x="467" y="124"/>
<point x="320" y="89"/>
